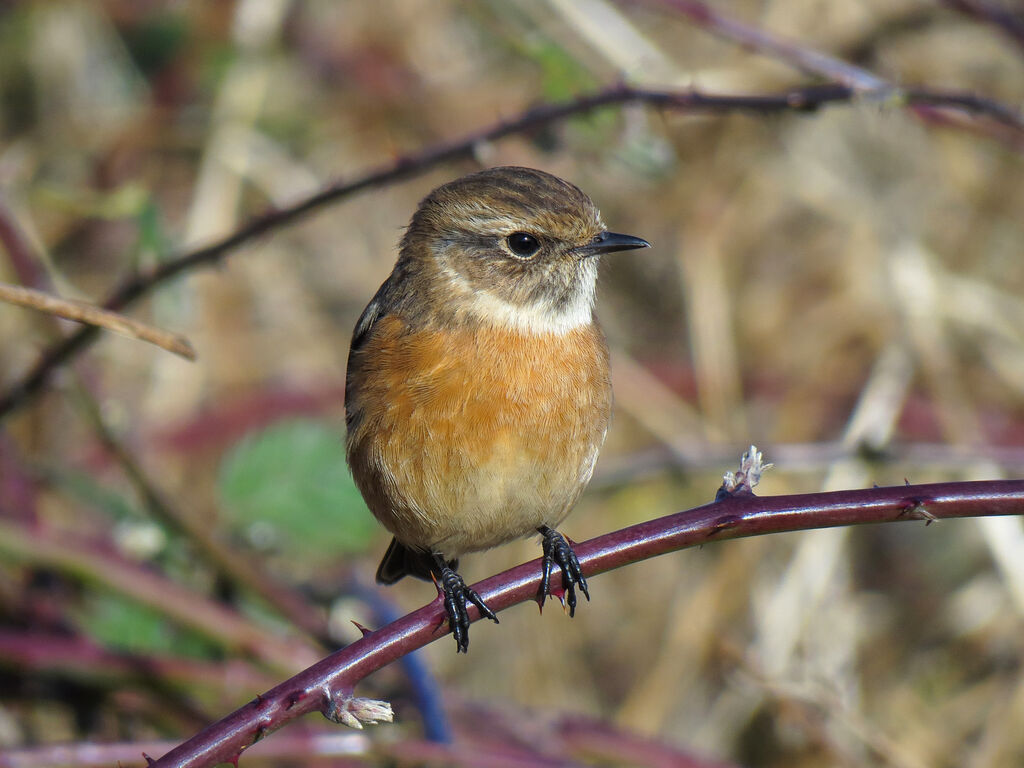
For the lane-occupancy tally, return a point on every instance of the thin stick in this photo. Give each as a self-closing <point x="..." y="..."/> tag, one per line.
<point x="1010" y="22"/>
<point x="806" y="59"/>
<point x="817" y="63"/>
<point x="20" y="253"/>
<point x="89" y="314"/>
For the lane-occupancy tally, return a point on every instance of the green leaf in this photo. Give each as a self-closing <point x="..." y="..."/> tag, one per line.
<point x="124" y="625"/>
<point x="562" y="76"/>
<point x="290" y="484"/>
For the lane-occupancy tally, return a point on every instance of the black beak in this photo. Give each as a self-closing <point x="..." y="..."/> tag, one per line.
<point x="609" y="242"/>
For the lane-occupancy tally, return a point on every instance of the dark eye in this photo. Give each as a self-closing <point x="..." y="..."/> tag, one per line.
<point x="523" y="244"/>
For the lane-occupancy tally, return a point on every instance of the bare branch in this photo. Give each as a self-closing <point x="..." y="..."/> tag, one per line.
<point x="82" y="312"/>
<point x="1010" y="22"/>
<point x="806" y="59"/>
<point x="335" y="677"/>
<point x="811" y="61"/>
<point x="23" y="259"/>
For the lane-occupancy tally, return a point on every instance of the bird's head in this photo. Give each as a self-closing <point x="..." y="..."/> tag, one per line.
<point x="512" y="246"/>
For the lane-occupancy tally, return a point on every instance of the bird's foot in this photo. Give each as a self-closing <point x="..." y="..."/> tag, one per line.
<point x="457" y="595"/>
<point x="558" y="551"/>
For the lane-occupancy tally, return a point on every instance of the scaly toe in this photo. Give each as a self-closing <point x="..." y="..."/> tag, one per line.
<point x="456" y="595"/>
<point x="558" y="551"/>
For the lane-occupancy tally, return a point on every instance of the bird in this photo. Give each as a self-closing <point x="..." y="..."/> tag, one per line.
<point x="477" y="393"/>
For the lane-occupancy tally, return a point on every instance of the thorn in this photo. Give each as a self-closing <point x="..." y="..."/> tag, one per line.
<point x="365" y="630"/>
<point x="149" y="760"/>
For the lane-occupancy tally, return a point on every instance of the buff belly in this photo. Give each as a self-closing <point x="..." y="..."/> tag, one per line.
<point x="496" y="435"/>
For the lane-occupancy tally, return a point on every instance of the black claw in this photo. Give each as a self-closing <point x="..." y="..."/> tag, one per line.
<point x="557" y="550"/>
<point x="456" y="595"/>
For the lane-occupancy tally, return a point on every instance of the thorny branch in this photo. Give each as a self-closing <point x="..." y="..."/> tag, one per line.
<point x="809" y="98"/>
<point x="328" y="685"/>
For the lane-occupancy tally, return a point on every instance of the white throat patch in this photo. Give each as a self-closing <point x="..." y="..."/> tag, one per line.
<point x="536" y="319"/>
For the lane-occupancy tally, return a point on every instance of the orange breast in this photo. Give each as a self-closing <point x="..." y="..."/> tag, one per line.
<point x="461" y="441"/>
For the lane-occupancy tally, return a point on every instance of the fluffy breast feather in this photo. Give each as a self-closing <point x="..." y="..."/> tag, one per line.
<point x="461" y="440"/>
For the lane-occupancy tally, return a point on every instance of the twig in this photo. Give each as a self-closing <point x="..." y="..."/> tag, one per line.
<point x="17" y="486"/>
<point x="969" y="103"/>
<point x="24" y="261"/>
<point x="814" y="62"/>
<point x="1010" y="22"/>
<point x="806" y="59"/>
<point x="82" y="312"/>
<point x="331" y="681"/>
<point x="808" y="458"/>
<point x="800" y="99"/>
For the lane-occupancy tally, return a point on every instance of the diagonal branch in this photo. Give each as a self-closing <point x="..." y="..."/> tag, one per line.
<point x="328" y="685"/>
<point x="810" y="98"/>
<point x="1009" y="21"/>
<point x="818" y="63"/>
<point x="804" y="58"/>
<point x="83" y="312"/>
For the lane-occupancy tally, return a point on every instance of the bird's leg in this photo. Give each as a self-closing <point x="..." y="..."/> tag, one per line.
<point x="558" y="551"/>
<point x="456" y="595"/>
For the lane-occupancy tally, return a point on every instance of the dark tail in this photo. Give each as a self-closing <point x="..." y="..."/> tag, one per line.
<point x="401" y="561"/>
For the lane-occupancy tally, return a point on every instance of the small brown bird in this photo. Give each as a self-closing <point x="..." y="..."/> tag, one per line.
<point x="478" y="393"/>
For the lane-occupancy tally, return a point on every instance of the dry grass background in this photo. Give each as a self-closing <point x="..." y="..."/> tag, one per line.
<point x="844" y="288"/>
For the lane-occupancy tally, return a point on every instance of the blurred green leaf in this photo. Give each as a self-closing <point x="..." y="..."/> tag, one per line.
<point x="151" y="234"/>
<point x="562" y="76"/>
<point x="121" y="624"/>
<point x="125" y="201"/>
<point x="290" y="483"/>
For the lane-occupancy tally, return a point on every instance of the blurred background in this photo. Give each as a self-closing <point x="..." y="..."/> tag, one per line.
<point x="844" y="288"/>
